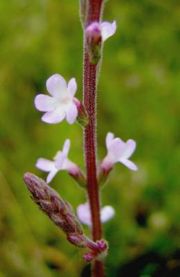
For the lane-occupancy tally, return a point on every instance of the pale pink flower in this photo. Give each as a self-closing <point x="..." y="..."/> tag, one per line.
<point x="60" y="104"/>
<point x="118" y="151"/>
<point x="60" y="162"/>
<point x="103" y="29"/>
<point x="83" y="213"/>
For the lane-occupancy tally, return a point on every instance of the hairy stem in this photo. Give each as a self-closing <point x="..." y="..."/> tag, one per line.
<point x="89" y="92"/>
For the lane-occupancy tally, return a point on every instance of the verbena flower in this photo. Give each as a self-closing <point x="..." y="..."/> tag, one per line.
<point x="60" y="162"/>
<point x="83" y="212"/>
<point x="60" y="104"/>
<point x="103" y="30"/>
<point x="118" y="151"/>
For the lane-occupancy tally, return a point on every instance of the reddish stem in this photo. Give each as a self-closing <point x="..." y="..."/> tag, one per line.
<point x="90" y="146"/>
<point x="89" y="93"/>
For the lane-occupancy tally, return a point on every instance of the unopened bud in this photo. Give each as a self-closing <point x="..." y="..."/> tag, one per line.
<point x="93" y="41"/>
<point x="78" y="240"/>
<point x="98" y="250"/>
<point x="88" y="257"/>
<point x="93" y="34"/>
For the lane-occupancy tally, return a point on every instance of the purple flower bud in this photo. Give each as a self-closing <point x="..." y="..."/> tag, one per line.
<point x="78" y="240"/>
<point x="98" y="250"/>
<point x="97" y="31"/>
<point x="93" y="33"/>
<point x="88" y="257"/>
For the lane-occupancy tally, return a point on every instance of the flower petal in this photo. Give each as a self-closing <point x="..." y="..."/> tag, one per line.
<point x="59" y="160"/>
<point x="45" y="165"/>
<point x="66" y="147"/>
<point x="130" y="147"/>
<point x="107" y="29"/>
<point x="56" y="85"/>
<point x="53" y="117"/>
<point x="71" y="113"/>
<point x="44" y="103"/>
<point x="72" y="87"/>
<point x="107" y="213"/>
<point x="109" y="139"/>
<point x="83" y="213"/>
<point x="51" y="175"/>
<point x="116" y="149"/>
<point x="129" y="164"/>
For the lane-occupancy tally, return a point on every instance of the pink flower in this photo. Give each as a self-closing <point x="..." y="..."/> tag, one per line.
<point x="118" y="151"/>
<point x="60" y="162"/>
<point x="83" y="213"/>
<point x="103" y="30"/>
<point x="60" y="104"/>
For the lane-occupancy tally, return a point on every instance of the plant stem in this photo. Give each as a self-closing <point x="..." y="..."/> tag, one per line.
<point x="89" y="94"/>
<point x="90" y="147"/>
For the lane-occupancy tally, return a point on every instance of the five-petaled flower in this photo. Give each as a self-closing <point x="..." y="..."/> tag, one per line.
<point x="60" y="162"/>
<point x="84" y="214"/>
<point x="100" y="30"/>
<point x="118" y="151"/>
<point x="61" y="104"/>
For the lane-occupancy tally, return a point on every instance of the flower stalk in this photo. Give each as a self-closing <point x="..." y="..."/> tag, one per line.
<point x="94" y="11"/>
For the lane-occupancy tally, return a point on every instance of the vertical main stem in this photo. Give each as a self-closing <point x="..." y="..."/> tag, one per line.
<point x="89" y="93"/>
<point x="90" y="146"/>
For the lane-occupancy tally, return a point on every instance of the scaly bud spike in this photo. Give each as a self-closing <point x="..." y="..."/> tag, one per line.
<point x="61" y="213"/>
<point x="58" y="210"/>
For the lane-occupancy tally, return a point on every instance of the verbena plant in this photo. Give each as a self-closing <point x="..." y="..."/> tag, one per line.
<point x="61" y="105"/>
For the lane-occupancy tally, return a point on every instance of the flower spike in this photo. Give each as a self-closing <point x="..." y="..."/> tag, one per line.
<point x="60" y="104"/>
<point x="61" y="213"/>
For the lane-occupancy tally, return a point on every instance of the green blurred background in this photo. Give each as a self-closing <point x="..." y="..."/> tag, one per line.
<point x="137" y="98"/>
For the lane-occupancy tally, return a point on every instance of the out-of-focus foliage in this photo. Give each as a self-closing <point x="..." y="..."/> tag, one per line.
<point x="137" y="98"/>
